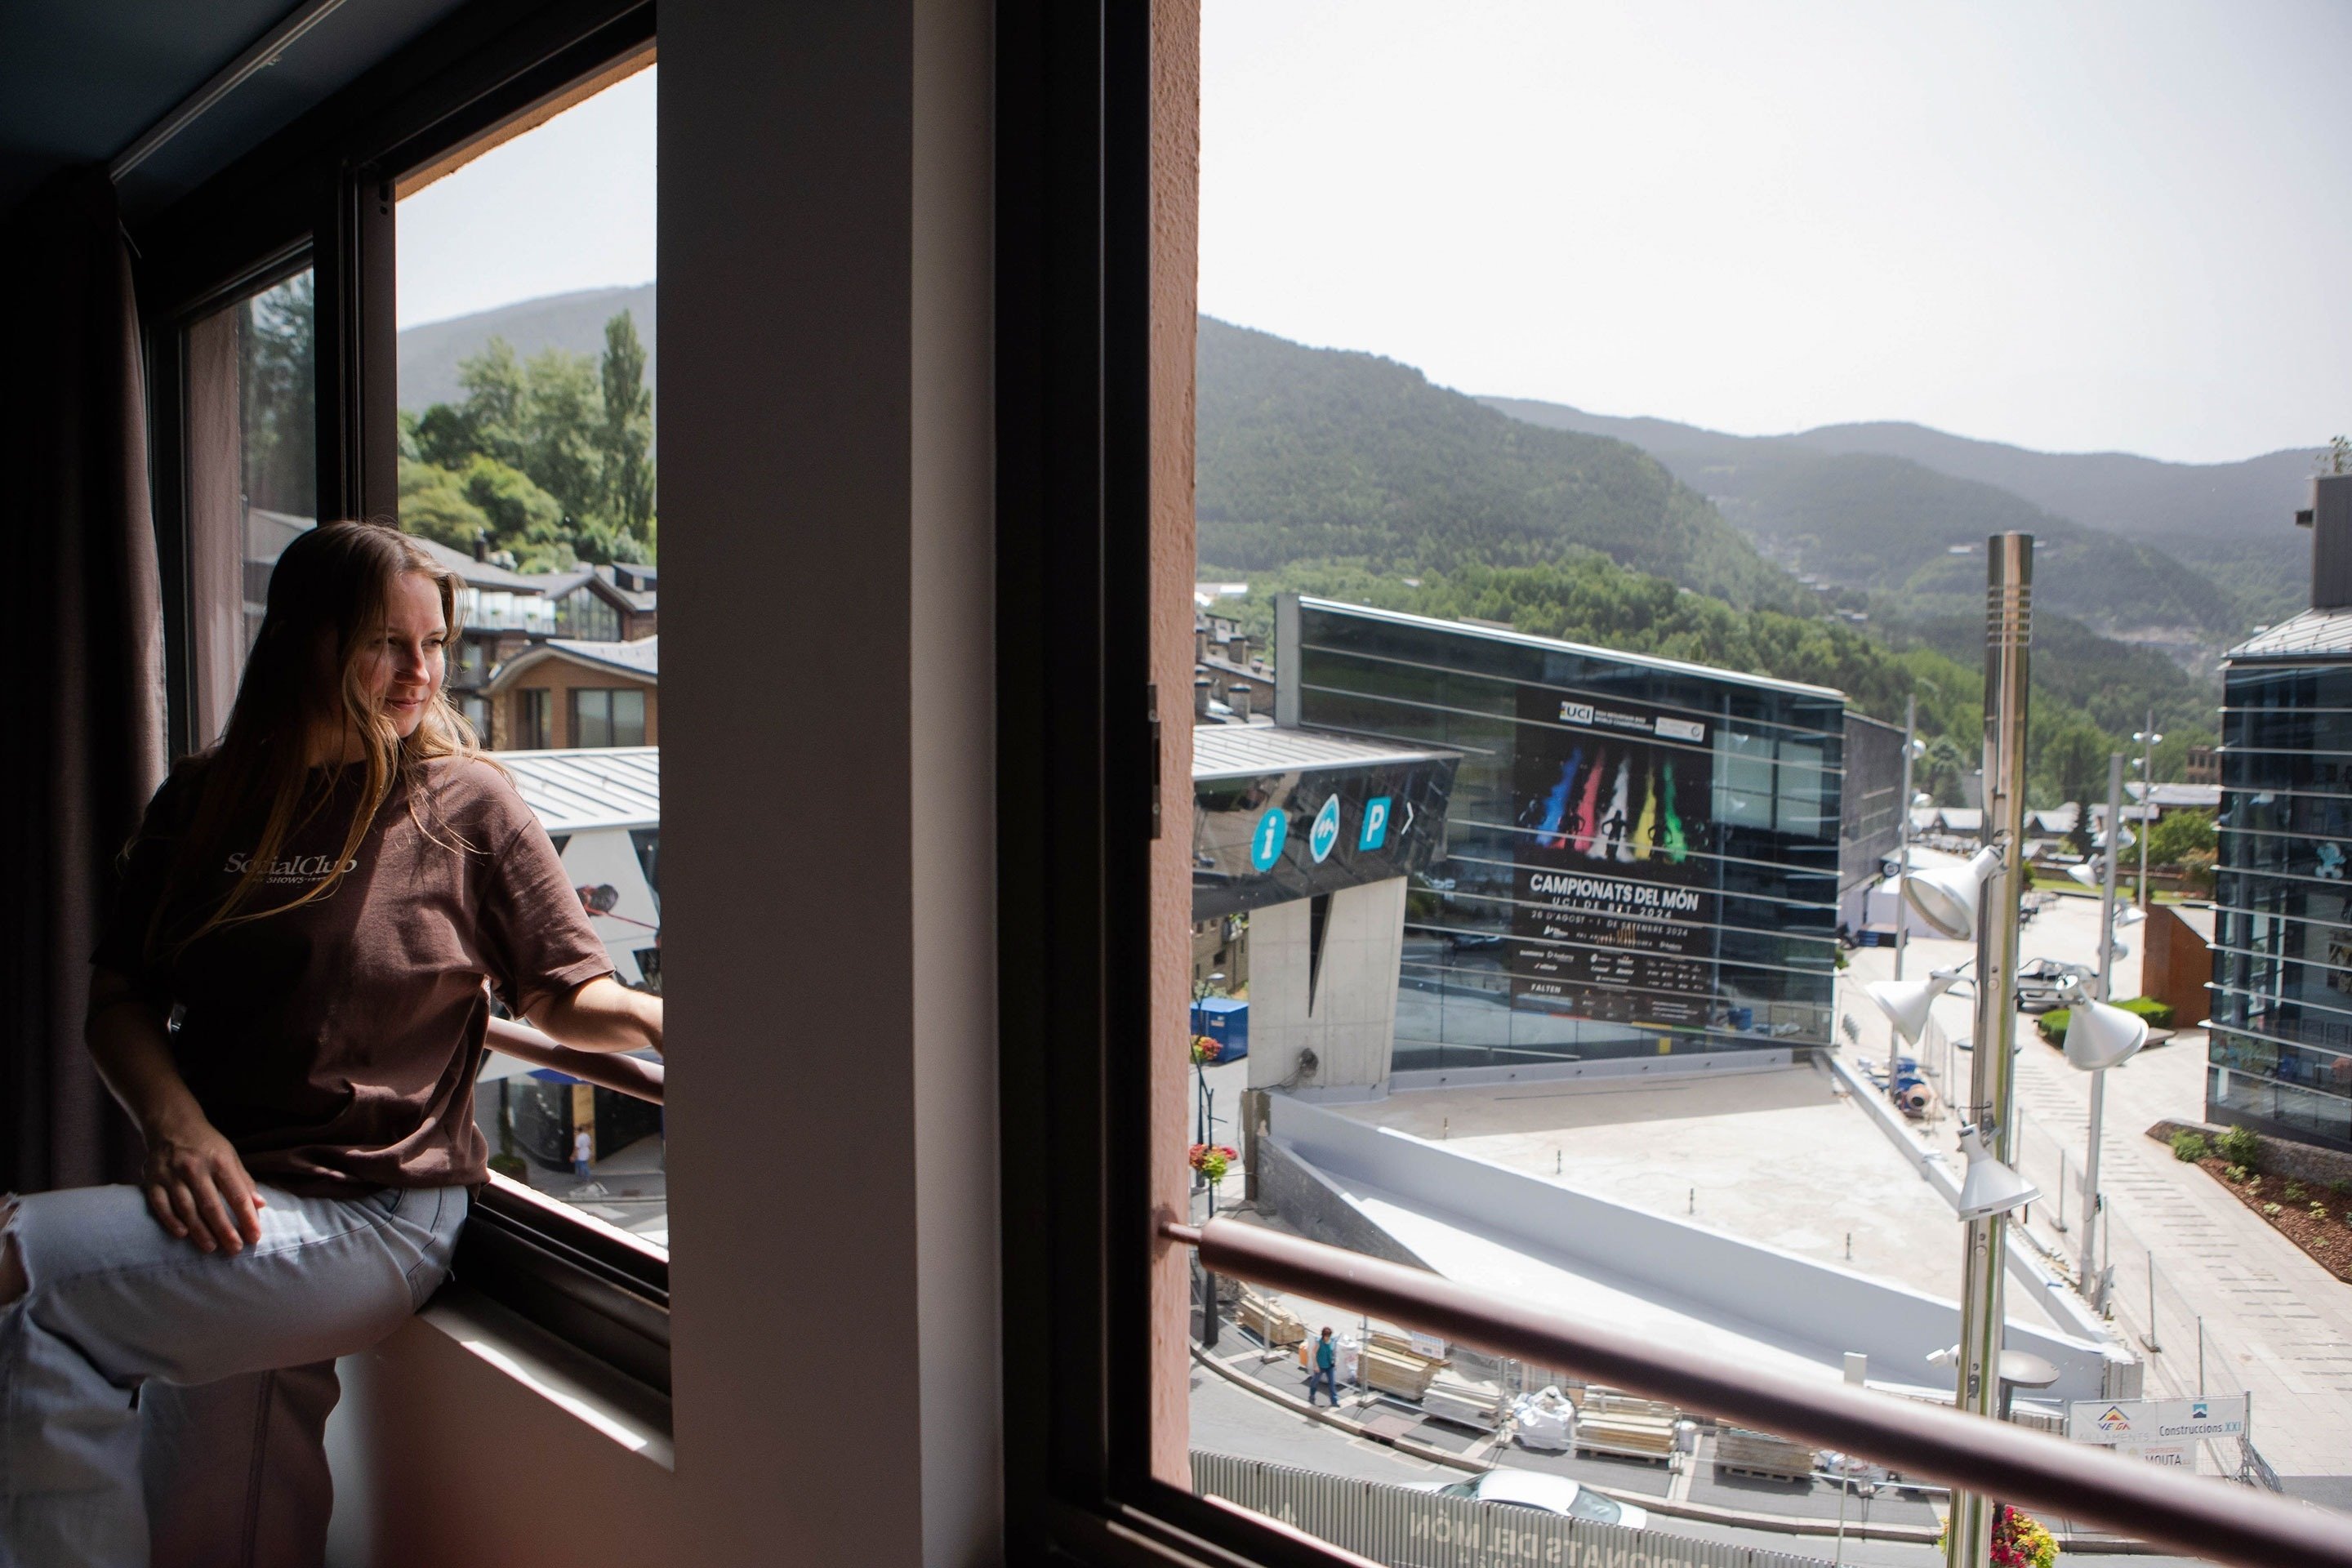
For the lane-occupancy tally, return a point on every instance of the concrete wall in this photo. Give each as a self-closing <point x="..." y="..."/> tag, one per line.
<point x="1292" y="1190"/>
<point x="826" y="402"/>
<point x="1784" y="1297"/>
<point x="2176" y="967"/>
<point x="1349" y="1020"/>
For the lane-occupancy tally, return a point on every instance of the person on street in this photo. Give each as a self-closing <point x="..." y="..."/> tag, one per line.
<point x="583" y="1150"/>
<point x="289" y="999"/>
<point x="1326" y="1372"/>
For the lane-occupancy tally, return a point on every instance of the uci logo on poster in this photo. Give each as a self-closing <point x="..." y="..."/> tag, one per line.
<point x="1325" y="833"/>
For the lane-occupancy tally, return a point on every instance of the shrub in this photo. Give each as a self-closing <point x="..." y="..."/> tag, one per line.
<point x="2236" y="1172"/>
<point x="2318" y="1211"/>
<point x="2190" y="1146"/>
<point x="2240" y="1146"/>
<point x="2294" y="1192"/>
<point x="2270" y="1209"/>
<point x="2341" y="1186"/>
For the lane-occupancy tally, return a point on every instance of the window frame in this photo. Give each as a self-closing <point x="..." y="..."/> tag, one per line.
<point x="321" y="194"/>
<point x="1078" y="766"/>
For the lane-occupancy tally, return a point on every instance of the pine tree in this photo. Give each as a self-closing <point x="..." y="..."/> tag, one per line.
<point x="627" y="433"/>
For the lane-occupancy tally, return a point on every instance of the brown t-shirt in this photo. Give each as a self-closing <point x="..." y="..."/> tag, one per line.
<point x="335" y="1044"/>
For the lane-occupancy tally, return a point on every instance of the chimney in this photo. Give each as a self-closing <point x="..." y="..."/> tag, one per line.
<point x="1238" y="697"/>
<point x="1201" y="699"/>
<point x="1200" y="643"/>
<point x="1237" y="650"/>
<point x="2330" y="522"/>
<point x="481" y="544"/>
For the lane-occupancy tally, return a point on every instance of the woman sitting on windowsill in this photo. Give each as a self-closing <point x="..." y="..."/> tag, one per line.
<point x="289" y="999"/>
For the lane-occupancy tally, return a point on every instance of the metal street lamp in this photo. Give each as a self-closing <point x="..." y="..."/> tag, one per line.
<point x="2147" y="739"/>
<point x="1987" y="895"/>
<point x="2109" y="1036"/>
<point x="1913" y="750"/>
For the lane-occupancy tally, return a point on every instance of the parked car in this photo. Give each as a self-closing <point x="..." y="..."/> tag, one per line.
<point x="1549" y="1494"/>
<point x="2042" y="983"/>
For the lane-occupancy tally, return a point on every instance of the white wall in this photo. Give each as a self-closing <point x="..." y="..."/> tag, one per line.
<point x="1787" y="1298"/>
<point x="1350" y="1021"/>
<point x="826" y="296"/>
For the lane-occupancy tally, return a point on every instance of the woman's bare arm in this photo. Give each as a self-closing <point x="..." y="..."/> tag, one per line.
<point x="196" y="1186"/>
<point x="603" y="1014"/>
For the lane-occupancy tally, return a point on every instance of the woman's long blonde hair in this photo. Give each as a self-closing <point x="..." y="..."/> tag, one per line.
<point x="329" y="595"/>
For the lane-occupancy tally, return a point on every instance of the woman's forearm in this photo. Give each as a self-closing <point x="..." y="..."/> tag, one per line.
<point x="133" y="1059"/>
<point x="602" y="1016"/>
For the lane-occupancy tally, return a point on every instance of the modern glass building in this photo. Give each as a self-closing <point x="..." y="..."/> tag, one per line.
<point x="1640" y="855"/>
<point x="2280" y="1052"/>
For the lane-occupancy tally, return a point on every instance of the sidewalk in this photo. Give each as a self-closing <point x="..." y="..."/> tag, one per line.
<point x="2275" y="1324"/>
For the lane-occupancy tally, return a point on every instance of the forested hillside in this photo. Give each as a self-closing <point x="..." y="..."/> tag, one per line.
<point x="1351" y="476"/>
<point x="1887" y="524"/>
<point x="1308" y="454"/>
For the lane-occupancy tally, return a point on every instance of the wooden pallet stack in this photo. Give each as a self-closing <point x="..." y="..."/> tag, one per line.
<point x="1742" y="1452"/>
<point x="1608" y="1422"/>
<point x="1391" y="1365"/>
<point x="1272" y="1323"/>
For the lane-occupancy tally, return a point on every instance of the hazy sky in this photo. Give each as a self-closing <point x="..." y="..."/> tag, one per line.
<point x="2073" y="227"/>
<point x="2068" y="226"/>
<point x="567" y="205"/>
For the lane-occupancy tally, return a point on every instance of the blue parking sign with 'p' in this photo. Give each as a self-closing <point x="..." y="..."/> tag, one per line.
<point x="1376" y="824"/>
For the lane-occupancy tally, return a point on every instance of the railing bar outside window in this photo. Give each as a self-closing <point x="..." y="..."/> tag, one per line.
<point x="2201" y="1516"/>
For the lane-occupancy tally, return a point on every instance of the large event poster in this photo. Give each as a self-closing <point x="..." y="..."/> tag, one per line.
<point x="1614" y="913"/>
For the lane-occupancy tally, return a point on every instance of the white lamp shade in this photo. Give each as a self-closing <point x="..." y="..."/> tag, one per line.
<point x="2085" y="873"/>
<point x="2098" y="1036"/>
<point x="1905" y="1003"/>
<point x="1947" y="896"/>
<point x="2129" y="915"/>
<point x="1990" y="1187"/>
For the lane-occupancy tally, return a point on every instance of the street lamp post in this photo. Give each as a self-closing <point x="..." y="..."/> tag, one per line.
<point x="2147" y="739"/>
<point x="2009" y="600"/>
<point x="2093" y="1288"/>
<point x="1903" y="834"/>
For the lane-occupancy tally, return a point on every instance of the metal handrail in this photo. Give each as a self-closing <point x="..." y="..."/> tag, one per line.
<point x="2200" y="1516"/>
<point x="632" y="1076"/>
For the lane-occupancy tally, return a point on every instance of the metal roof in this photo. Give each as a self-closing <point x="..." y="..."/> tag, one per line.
<point x="1251" y="751"/>
<point x="2325" y="634"/>
<point x="641" y="659"/>
<point x="1555" y="644"/>
<point x="589" y="786"/>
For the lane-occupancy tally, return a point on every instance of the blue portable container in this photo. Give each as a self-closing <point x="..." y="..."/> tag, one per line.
<point x="1226" y="1021"/>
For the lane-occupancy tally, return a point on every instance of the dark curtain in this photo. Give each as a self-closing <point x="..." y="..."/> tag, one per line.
<point x="81" y="697"/>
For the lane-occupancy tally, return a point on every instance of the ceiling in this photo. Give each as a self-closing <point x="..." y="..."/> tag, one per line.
<point x="80" y="82"/>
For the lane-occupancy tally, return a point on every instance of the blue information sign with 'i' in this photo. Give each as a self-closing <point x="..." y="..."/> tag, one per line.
<point x="1266" y="839"/>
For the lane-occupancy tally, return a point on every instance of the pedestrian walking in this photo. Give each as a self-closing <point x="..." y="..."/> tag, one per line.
<point x="583" y="1150"/>
<point x="1326" y="1372"/>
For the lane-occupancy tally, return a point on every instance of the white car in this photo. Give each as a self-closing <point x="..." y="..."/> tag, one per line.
<point x="1549" y="1494"/>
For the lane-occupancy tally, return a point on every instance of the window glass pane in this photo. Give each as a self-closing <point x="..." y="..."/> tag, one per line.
<point x="527" y="371"/>
<point x="252" y="472"/>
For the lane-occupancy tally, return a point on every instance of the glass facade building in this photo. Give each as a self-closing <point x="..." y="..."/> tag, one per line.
<point x="1641" y="856"/>
<point x="2280" y="1052"/>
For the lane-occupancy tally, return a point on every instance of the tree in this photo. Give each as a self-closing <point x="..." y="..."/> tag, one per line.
<point x="277" y="381"/>
<point x="2180" y="835"/>
<point x="627" y="434"/>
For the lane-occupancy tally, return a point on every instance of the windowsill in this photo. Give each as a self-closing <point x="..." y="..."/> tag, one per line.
<point x="627" y="1412"/>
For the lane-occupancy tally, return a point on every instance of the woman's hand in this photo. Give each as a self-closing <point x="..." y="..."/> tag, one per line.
<point x="197" y="1188"/>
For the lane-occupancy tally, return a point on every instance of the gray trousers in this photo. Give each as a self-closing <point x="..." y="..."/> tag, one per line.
<point x="153" y="1394"/>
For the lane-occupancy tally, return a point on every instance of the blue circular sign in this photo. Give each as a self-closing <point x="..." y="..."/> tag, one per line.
<point x="1265" y="838"/>
<point x="1326" y="831"/>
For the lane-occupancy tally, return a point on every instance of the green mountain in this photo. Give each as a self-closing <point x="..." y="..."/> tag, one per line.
<point x="429" y="353"/>
<point x="1311" y="454"/>
<point x="1889" y="523"/>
